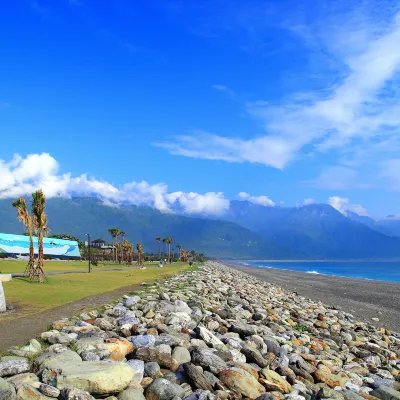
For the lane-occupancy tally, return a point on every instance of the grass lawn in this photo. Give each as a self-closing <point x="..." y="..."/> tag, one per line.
<point x="18" y="266"/>
<point x="32" y="297"/>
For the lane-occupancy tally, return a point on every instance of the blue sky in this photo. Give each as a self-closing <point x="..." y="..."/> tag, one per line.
<point x="281" y="101"/>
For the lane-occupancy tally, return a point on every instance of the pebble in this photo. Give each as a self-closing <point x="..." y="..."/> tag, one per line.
<point x="212" y="334"/>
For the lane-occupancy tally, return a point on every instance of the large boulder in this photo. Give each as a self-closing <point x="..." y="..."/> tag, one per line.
<point x="95" y="377"/>
<point x="18" y="380"/>
<point x="208" y="360"/>
<point x="158" y="355"/>
<point x="386" y="393"/>
<point x="14" y="366"/>
<point x="209" y="338"/>
<point x="181" y="355"/>
<point x="241" y="382"/>
<point x="27" y="392"/>
<point x="131" y="394"/>
<point x="162" y="389"/>
<point x="7" y="390"/>
<point x="57" y="360"/>
<point x="274" y="382"/>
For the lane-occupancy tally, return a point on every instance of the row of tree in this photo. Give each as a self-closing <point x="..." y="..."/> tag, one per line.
<point x="35" y="222"/>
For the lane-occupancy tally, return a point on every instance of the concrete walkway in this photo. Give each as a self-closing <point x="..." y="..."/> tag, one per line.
<point x="85" y="271"/>
<point x="18" y="331"/>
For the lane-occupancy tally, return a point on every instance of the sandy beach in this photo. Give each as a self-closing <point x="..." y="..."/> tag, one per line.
<point x="363" y="298"/>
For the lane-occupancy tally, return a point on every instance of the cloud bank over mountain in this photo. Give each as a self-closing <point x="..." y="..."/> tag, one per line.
<point x="22" y="175"/>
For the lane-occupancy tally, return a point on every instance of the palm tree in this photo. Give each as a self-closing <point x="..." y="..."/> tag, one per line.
<point x="179" y="247"/>
<point x="114" y="233"/>
<point x="139" y="248"/>
<point x="39" y="221"/>
<point x="168" y="240"/>
<point x="122" y="233"/>
<point x="158" y="239"/>
<point x="26" y="219"/>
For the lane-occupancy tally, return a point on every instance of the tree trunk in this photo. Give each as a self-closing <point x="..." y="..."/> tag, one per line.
<point x="31" y="256"/>
<point x="39" y="268"/>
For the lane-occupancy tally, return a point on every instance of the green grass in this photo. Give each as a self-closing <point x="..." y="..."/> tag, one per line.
<point x="18" y="266"/>
<point x="300" y="328"/>
<point x="32" y="297"/>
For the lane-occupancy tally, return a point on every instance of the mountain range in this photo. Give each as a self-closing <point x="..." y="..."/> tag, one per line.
<point x="247" y="230"/>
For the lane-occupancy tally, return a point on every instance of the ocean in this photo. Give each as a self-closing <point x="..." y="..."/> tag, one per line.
<point x="388" y="271"/>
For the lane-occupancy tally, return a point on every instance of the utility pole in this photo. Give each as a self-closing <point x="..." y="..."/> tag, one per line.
<point x="88" y="235"/>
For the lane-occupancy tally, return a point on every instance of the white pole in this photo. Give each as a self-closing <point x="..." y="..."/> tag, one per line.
<point x="2" y="299"/>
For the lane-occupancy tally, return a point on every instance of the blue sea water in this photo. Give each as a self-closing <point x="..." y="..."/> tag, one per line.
<point x="388" y="271"/>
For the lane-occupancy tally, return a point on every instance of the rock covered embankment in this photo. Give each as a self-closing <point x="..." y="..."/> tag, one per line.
<point x="215" y="333"/>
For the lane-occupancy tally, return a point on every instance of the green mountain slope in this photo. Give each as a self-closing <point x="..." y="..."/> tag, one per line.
<point x="143" y="224"/>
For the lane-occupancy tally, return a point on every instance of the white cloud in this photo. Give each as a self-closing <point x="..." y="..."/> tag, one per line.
<point x="339" y="178"/>
<point x="343" y="205"/>
<point x="221" y="88"/>
<point x="21" y="176"/>
<point x="356" y="106"/>
<point x="308" y="201"/>
<point x="261" y="200"/>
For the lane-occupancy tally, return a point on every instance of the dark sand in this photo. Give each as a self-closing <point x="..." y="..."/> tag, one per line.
<point x="363" y="298"/>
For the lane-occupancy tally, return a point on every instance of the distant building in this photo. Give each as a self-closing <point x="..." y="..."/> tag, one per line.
<point x="16" y="245"/>
<point x="100" y="244"/>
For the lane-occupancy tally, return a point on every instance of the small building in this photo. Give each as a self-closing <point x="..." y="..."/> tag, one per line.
<point x="18" y="245"/>
<point x="100" y="244"/>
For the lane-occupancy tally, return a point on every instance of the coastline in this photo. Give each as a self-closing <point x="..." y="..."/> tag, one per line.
<point x="365" y="299"/>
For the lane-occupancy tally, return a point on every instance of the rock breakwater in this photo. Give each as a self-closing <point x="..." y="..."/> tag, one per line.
<point x="215" y="333"/>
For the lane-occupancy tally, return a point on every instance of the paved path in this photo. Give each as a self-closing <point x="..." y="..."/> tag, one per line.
<point x="20" y="330"/>
<point x="365" y="299"/>
<point x="85" y="271"/>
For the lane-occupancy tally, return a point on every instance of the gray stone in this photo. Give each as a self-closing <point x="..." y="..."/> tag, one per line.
<point x="151" y="369"/>
<point x="57" y="360"/>
<point x="207" y="359"/>
<point x="209" y="338"/>
<point x="72" y="393"/>
<point x="7" y="389"/>
<point x="14" y="367"/>
<point x="143" y="340"/>
<point x="48" y="390"/>
<point x="162" y="389"/>
<point x="128" y="319"/>
<point x="386" y="393"/>
<point x="350" y="395"/>
<point x="27" y="392"/>
<point x="131" y="394"/>
<point x="118" y="311"/>
<point x="95" y="377"/>
<point x="181" y="355"/>
<point x="130" y="301"/>
<point x="243" y="329"/>
<point x="18" y="380"/>
<point x="138" y="367"/>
